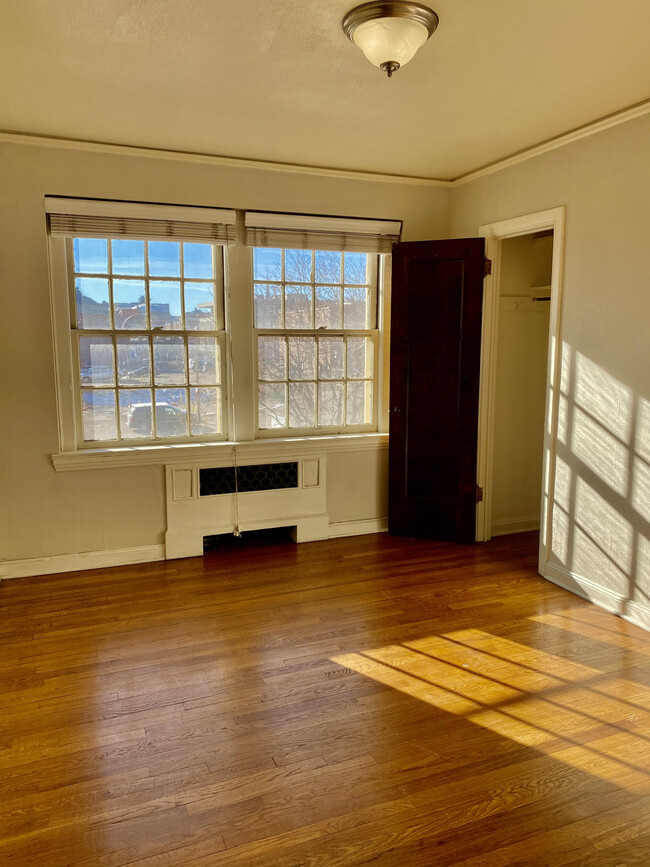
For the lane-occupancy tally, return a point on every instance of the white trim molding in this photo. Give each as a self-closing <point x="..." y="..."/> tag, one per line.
<point x="608" y="599"/>
<point x="307" y="529"/>
<point x="520" y="525"/>
<point x="584" y="131"/>
<point x="591" y="128"/>
<point x="74" y="562"/>
<point x="218" y="454"/>
<point x="495" y="233"/>
<point x="14" y="137"/>
<point x="358" y="528"/>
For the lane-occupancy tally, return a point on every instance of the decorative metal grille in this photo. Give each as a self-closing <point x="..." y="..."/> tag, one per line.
<point x="257" y="477"/>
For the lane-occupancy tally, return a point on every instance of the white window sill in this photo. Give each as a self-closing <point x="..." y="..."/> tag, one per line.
<point x="216" y="454"/>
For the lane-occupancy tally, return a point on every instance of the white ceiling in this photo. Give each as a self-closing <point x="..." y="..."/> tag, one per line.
<point x="277" y="79"/>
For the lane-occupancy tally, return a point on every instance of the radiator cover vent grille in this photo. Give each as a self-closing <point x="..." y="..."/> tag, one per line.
<point x="256" y="477"/>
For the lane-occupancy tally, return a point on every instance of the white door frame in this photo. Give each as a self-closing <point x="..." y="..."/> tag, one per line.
<point x="495" y="233"/>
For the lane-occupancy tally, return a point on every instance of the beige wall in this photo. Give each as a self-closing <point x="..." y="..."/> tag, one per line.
<point x="601" y="526"/>
<point x="522" y="350"/>
<point x="47" y="513"/>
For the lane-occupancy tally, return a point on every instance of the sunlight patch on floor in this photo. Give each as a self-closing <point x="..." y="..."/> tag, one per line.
<point x="580" y="715"/>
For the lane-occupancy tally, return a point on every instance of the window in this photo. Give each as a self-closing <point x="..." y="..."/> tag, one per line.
<point x="148" y="338"/>
<point x="163" y="339"/>
<point x="316" y="339"/>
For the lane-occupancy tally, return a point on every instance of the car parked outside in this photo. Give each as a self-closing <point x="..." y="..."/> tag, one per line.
<point x="96" y="373"/>
<point x="170" y="420"/>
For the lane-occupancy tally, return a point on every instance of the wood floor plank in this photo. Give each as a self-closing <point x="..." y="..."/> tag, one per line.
<point x="370" y="700"/>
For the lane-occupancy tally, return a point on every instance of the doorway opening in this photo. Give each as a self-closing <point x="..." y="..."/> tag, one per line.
<point x="520" y="388"/>
<point x="518" y="413"/>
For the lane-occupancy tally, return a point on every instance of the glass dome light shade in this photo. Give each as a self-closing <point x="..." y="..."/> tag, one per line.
<point x="385" y="40"/>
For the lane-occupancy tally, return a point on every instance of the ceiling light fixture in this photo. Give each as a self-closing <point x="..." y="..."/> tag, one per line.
<point x="390" y="33"/>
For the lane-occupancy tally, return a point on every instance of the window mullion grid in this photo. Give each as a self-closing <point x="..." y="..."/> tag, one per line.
<point x="118" y="425"/>
<point x="112" y="335"/>
<point x="284" y="288"/>
<point x="375" y="376"/>
<point x="286" y="381"/>
<point x="186" y="340"/>
<point x="372" y="278"/>
<point x="345" y="379"/>
<point x="152" y="372"/>
<point x="147" y="299"/>
<point x="221" y="339"/>
<point x="219" y="287"/>
<point x="312" y="280"/>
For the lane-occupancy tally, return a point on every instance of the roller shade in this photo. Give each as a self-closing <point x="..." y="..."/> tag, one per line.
<point x="321" y="233"/>
<point x="84" y="219"/>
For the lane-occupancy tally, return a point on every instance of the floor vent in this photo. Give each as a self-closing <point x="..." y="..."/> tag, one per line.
<point x="256" y="477"/>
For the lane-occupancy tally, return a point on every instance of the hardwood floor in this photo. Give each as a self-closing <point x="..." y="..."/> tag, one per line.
<point x="371" y="700"/>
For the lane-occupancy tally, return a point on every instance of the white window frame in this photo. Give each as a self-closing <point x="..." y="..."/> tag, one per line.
<point x="239" y="360"/>
<point x="66" y="333"/>
<point x="373" y="333"/>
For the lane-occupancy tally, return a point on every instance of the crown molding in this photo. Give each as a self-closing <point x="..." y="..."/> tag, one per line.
<point x="592" y="128"/>
<point x="209" y="159"/>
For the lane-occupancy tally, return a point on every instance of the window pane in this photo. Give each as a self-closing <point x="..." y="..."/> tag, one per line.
<point x="328" y="266"/>
<point x="205" y="363"/>
<point x="133" y="361"/>
<point x="297" y="266"/>
<point x="330" y="403"/>
<point x="200" y="307"/>
<point x="359" y="357"/>
<point x="328" y="307"/>
<point x="98" y="414"/>
<point x="272" y="358"/>
<point x="128" y="257"/>
<point x="90" y="255"/>
<point x="356" y="308"/>
<point x="272" y="405"/>
<point x="302" y="404"/>
<point x="267" y="263"/>
<point x="169" y="361"/>
<point x="205" y="411"/>
<point x="96" y="361"/>
<point x="298" y="307"/>
<point x="164" y="259"/>
<point x="92" y="303"/>
<point x="197" y="260"/>
<point x="171" y="412"/>
<point x="359" y="404"/>
<point x="165" y="305"/>
<point x="268" y="306"/>
<point x="130" y="304"/>
<point x="356" y="267"/>
<point x="302" y="358"/>
<point x="330" y="358"/>
<point x="135" y="413"/>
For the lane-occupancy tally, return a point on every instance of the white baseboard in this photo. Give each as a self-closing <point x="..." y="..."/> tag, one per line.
<point x="521" y="525"/>
<point x="74" y="562"/>
<point x="33" y="566"/>
<point x="358" y="528"/>
<point x="610" y="600"/>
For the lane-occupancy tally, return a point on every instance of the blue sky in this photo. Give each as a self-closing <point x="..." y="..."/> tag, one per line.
<point x="91" y="256"/>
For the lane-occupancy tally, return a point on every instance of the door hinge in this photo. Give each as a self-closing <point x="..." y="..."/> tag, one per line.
<point x="488" y="267"/>
<point x="479" y="494"/>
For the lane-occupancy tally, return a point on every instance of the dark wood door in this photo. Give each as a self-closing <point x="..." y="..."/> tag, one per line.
<point x="437" y="299"/>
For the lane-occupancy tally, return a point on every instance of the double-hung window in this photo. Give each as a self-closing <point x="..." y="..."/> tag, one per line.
<point x="147" y="349"/>
<point x="316" y="323"/>
<point x="156" y="342"/>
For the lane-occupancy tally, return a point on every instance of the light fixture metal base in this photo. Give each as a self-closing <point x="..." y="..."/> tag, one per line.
<point x="389" y="9"/>
<point x="390" y="67"/>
